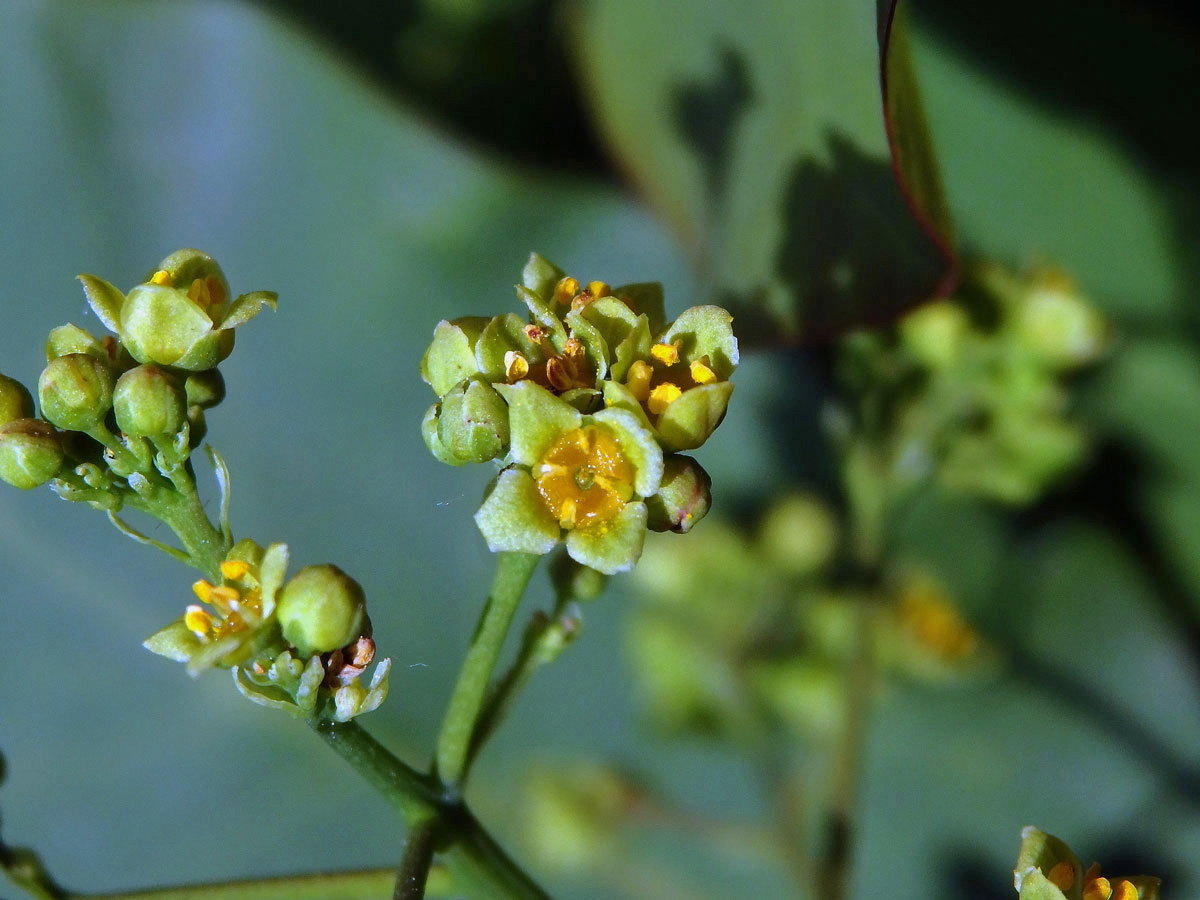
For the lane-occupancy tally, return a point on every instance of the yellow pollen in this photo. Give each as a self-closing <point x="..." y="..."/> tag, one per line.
<point x="565" y="290"/>
<point x="585" y="479"/>
<point x="1062" y="876"/>
<point x="638" y="380"/>
<point x="570" y="511"/>
<point x="702" y="374"/>
<point x="203" y="590"/>
<point x="198" y="621"/>
<point x="162" y="277"/>
<point x="206" y="292"/>
<point x="1125" y="890"/>
<point x="667" y="354"/>
<point x="598" y="289"/>
<point x="662" y="396"/>
<point x="234" y="569"/>
<point x="516" y="366"/>
<point x="1098" y="889"/>
<point x="535" y="333"/>
<point x="224" y="598"/>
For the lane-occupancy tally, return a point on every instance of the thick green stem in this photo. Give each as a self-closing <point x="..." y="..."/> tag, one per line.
<point x="479" y="867"/>
<point x="513" y="571"/>
<point x="182" y="512"/>
<point x="418" y="857"/>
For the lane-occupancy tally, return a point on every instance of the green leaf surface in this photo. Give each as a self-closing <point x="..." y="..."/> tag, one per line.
<point x="758" y="130"/>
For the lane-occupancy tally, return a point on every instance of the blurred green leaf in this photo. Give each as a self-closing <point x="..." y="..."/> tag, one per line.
<point x="758" y="131"/>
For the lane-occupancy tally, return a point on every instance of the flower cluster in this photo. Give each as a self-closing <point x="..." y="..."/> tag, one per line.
<point x="1047" y="869"/>
<point x="587" y="402"/>
<point x="973" y="390"/>
<point x="300" y="646"/>
<point x="121" y="414"/>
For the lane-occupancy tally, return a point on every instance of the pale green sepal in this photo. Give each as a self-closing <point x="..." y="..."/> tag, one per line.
<point x="354" y="700"/>
<point x="615" y="548"/>
<point x="433" y="439"/>
<point x="160" y="324"/>
<point x="247" y="306"/>
<point x="639" y="446"/>
<point x="273" y="569"/>
<point x="503" y="333"/>
<point x="268" y="695"/>
<point x="645" y="299"/>
<point x="1039" y="853"/>
<point x="176" y="642"/>
<point x="214" y="654"/>
<point x="544" y="316"/>
<point x="310" y="684"/>
<point x="514" y="518"/>
<point x="612" y="318"/>
<point x="583" y="399"/>
<point x="67" y="339"/>
<point x="105" y="301"/>
<point x="541" y="276"/>
<point x="451" y="355"/>
<point x="618" y="396"/>
<point x="207" y="352"/>
<point x="592" y="340"/>
<point x="536" y="420"/>
<point x="635" y="346"/>
<point x="688" y="422"/>
<point x="706" y="331"/>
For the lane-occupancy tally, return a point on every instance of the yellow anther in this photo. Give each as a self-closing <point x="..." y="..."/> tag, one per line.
<point x="203" y="590"/>
<point x="224" y="598"/>
<point x="234" y="569"/>
<point x="565" y="290"/>
<point x="535" y="333"/>
<point x="702" y="374"/>
<point x="516" y="366"/>
<point x="1062" y="876"/>
<point x="569" y="513"/>
<point x="638" y="380"/>
<point x="206" y="292"/>
<point x="598" y="289"/>
<point x="662" y="396"/>
<point x="162" y="277"/>
<point x="1098" y="889"/>
<point x="1125" y="890"/>
<point x="198" y="621"/>
<point x="667" y="354"/>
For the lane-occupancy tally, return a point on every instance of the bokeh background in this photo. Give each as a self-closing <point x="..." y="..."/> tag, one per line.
<point x="388" y="165"/>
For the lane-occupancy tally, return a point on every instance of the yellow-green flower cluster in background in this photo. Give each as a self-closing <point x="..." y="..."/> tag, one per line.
<point x="738" y="622"/>
<point x="973" y="390"/>
<point x="587" y="403"/>
<point x="1047" y="869"/>
<point x="299" y="645"/>
<point x="121" y="414"/>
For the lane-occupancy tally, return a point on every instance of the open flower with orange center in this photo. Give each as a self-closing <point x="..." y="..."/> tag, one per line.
<point x="577" y="478"/>
<point x="1047" y="869"/>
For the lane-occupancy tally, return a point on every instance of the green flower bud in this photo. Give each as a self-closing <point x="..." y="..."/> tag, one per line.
<point x="148" y="403"/>
<point x="933" y="334"/>
<point x="799" y="535"/>
<point x="433" y="440"/>
<point x="205" y="389"/>
<point x="76" y="391"/>
<point x="30" y="453"/>
<point x="473" y="422"/>
<point x="321" y="609"/>
<point x="1060" y="326"/>
<point x="15" y="401"/>
<point x="684" y="497"/>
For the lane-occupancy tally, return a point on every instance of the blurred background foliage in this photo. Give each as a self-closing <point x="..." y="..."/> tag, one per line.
<point x="384" y="165"/>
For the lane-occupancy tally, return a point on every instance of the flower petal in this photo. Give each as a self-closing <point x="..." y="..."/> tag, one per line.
<point x="514" y="518"/>
<point x="639" y="446"/>
<point x="451" y="356"/>
<point x="612" y="549"/>
<point x="500" y="335"/>
<point x="646" y="299"/>
<point x="536" y="420"/>
<point x="105" y="301"/>
<point x="541" y="276"/>
<point x="706" y="331"/>
<point x="176" y="642"/>
<point x="689" y="420"/>
<point x="247" y="306"/>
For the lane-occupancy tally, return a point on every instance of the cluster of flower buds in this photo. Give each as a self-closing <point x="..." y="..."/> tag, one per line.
<point x="973" y="390"/>
<point x="299" y="645"/>
<point x="122" y="413"/>
<point x="1047" y="869"/>
<point x="588" y="404"/>
<point x="762" y="616"/>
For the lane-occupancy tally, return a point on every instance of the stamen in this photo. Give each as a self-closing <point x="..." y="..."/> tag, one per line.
<point x="662" y="396"/>
<point x="203" y="590"/>
<point x="667" y="354"/>
<point x="1125" y="890"/>
<point x="516" y="366"/>
<point x="198" y="621"/>
<point x="638" y="380"/>
<point x="162" y="277"/>
<point x="560" y="373"/>
<point x="234" y="569"/>
<point x="702" y="374"/>
<point x="1062" y="876"/>
<point x="565" y="290"/>
<point x="224" y="598"/>
<point x="598" y="289"/>
<point x="1098" y="889"/>
<point x="569" y="509"/>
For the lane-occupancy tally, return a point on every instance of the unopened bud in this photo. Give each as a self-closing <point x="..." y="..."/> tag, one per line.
<point x="205" y="389"/>
<point x="148" y="403"/>
<point x="473" y="422"/>
<point x="30" y="453"/>
<point x="321" y="609"/>
<point x="933" y="334"/>
<point x="683" y="498"/>
<point x="76" y="391"/>
<point x="15" y="401"/>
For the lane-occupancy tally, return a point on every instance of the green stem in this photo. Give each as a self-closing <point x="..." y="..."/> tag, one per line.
<point x="183" y="513"/>
<point x="478" y="865"/>
<point x="367" y="884"/>
<point x="513" y="571"/>
<point x="418" y="857"/>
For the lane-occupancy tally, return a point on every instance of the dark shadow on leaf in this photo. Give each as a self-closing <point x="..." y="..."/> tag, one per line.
<point x="964" y="873"/>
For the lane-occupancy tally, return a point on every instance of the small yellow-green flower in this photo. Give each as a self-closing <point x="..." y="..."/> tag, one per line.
<point x="1048" y="870"/>
<point x="581" y="479"/>
<point x="181" y="316"/>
